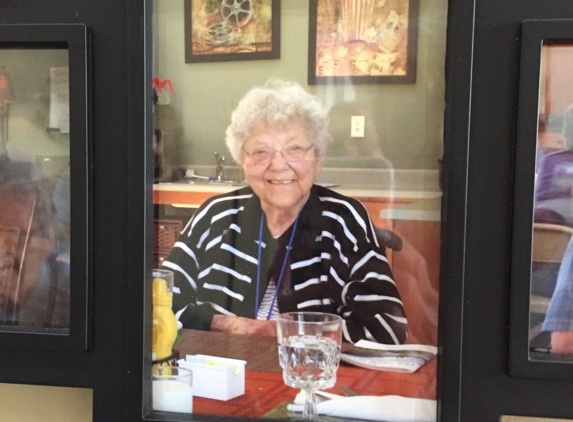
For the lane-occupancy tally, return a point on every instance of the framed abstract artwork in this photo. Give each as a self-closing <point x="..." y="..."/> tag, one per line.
<point x="231" y="30"/>
<point x="362" y="41"/>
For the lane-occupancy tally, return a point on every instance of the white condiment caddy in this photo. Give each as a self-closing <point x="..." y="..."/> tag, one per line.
<point x="215" y="377"/>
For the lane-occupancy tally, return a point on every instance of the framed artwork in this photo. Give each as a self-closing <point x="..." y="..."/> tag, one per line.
<point x="231" y="30"/>
<point x="542" y="221"/>
<point x="362" y="41"/>
<point x="45" y="237"/>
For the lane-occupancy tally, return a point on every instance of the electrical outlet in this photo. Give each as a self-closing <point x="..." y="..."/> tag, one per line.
<point x="357" y="126"/>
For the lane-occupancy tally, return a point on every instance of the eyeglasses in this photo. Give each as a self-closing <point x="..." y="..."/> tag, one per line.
<point x="291" y="153"/>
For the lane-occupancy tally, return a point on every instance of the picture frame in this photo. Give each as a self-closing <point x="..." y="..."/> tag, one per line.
<point x="75" y="38"/>
<point x="236" y="30"/>
<point x="524" y="359"/>
<point x="360" y="42"/>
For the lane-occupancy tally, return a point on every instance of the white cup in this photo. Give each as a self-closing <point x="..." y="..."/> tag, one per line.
<point x="172" y="389"/>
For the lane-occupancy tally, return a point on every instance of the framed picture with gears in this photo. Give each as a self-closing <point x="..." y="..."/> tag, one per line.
<point x="231" y="30"/>
<point x="362" y="41"/>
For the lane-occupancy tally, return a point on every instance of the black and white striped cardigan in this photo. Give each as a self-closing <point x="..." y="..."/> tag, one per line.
<point x="335" y="265"/>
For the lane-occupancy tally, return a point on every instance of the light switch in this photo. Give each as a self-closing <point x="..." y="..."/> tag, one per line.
<point x="357" y="126"/>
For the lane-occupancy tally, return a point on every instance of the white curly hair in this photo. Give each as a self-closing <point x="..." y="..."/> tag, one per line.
<point x="278" y="102"/>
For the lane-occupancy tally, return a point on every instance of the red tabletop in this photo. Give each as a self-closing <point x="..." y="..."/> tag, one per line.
<point x="264" y="386"/>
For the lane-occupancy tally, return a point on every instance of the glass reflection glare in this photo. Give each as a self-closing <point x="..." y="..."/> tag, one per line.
<point x="551" y="320"/>
<point x="390" y="164"/>
<point x="34" y="191"/>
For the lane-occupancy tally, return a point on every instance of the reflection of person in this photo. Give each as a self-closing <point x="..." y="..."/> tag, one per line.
<point x="553" y="192"/>
<point x="283" y="243"/>
<point x="46" y="305"/>
<point x="559" y="317"/>
<point x="25" y="213"/>
<point x="61" y="201"/>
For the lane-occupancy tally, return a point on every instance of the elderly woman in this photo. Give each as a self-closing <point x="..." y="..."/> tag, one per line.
<point x="283" y="243"/>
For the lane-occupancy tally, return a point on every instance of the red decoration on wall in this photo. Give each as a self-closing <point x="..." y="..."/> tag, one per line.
<point x="160" y="84"/>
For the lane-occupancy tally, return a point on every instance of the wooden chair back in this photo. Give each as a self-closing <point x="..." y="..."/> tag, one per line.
<point x="550" y="242"/>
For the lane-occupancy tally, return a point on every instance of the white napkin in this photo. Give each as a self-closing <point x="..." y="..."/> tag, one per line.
<point x="374" y="408"/>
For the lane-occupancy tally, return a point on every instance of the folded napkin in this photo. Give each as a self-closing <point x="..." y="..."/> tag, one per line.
<point x="373" y="408"/>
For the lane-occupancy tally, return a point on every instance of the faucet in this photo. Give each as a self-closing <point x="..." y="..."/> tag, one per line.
<point x="219" y="169"/>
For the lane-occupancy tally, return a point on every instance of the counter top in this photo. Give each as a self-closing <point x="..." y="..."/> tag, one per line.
<point x="426" y="210"/>
<point x="355" y="191"/>
<point x="354" y="182"/>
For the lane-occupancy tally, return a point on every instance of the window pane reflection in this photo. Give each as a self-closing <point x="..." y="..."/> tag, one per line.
<point x="34" y="190"/>
<point x="551" y="321"/>
<point x="391" y="166"/>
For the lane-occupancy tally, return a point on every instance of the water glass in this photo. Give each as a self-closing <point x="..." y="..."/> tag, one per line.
<point x="309" y="352"/>
<point x="172" y="389"/>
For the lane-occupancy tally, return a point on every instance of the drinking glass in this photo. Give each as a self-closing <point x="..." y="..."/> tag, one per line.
<point x="309" y="352"/>
<point x="166" y="275"/>
<point x="172" y="389"/>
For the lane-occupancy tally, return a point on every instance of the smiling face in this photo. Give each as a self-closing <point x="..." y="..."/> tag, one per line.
<point x="281" y="185"/>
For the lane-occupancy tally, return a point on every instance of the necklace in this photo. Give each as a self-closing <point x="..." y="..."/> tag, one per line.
<point x="282" y="269"/>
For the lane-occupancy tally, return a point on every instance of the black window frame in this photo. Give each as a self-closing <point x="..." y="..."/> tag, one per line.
<point x="482" y="66"/>
<point x="536" y="34"/>
<point x="456" y="139"/>
<point x="75" y="38"/>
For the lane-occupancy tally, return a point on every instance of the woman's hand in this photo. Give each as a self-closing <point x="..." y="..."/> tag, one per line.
<point x="562" y="342"/>
<point x="241" y="325"/>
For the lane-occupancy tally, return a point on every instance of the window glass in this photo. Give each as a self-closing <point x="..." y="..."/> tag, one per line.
<point x="550" y="318"/>
<point x="327" y="199"/>
<point x="34" y="190"/>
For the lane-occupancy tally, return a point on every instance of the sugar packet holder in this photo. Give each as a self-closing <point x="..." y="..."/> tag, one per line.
<point x="215" y="377"/>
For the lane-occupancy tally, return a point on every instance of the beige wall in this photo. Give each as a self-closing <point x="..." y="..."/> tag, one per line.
<point x="403" y="122"/>
<point x="28" y="403"/>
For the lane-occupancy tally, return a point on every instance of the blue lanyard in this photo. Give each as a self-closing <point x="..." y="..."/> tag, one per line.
<point x="282" y="269"/>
